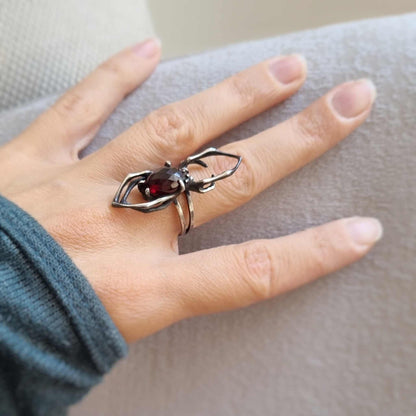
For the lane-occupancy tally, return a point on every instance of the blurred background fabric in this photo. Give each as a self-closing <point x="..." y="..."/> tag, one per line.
<point x="47" y="46"/>
<point x="344" y="345"/>
<point x="190" y="26"/>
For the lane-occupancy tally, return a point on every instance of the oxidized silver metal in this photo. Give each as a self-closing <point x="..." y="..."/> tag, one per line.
<point x="162" y="187"/>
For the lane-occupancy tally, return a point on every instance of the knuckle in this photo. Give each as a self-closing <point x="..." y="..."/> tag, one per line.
<point x="314" y="130"/>
<point x="71" y="102"/>
<point x="120" y="73"/>
<point x="79" y="106"/>
<point x="258" y="272"/>
<point x="172" y="129"/>
<point x="322" y="251"/>
<point x="244" y="89"/>
<point x="114" y="68"/>
<point x="242" y="185"/>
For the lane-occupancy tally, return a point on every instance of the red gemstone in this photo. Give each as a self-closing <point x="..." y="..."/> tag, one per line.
<point x="155" y="188"/>
<point x="164" y="181"/>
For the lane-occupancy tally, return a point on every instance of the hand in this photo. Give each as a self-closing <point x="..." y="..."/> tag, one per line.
<point x="131" y="258"/>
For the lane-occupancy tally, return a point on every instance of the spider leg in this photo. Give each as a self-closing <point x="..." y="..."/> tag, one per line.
<point x="210" y="151"/>
<point x="130" y="187"/>
<point x="151" y="206"/>
<point x="198" y="162"/>
<point x="122" y="194"/>
<point x="205" y="185"/>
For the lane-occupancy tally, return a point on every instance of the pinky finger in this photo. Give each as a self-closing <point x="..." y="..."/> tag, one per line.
<point x="235" y="276"/>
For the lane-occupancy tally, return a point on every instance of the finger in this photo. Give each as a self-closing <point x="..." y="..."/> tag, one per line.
<point x="278" y="151"/>
<point x="174" y="131"/>
<point x="71" y="123"/>
<point x="234" y="276"/>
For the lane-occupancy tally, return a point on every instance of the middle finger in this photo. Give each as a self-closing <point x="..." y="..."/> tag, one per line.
<point x="278" y="151"/>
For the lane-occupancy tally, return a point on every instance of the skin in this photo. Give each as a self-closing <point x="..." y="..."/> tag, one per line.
<point x="131" y="259"/>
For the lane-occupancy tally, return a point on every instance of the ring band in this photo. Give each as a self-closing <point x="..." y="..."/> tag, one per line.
<point x="185" y="228"/>
<point x="181" y="216"/>
<point x="163" y="186"/>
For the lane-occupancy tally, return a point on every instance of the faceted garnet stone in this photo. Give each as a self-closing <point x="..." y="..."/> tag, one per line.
<point x="164" y="181"/>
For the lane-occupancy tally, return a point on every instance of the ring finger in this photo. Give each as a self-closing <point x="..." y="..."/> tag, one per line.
<point x="278" y="151"/>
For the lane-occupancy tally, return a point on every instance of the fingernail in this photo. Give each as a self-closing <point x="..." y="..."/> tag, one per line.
<point x="353" y="98"/>
<point x="148" y="48"/>
<point x="288" y="68"/>
<point x="365" y="231"/>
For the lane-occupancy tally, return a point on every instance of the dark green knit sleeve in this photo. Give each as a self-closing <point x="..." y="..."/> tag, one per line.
<point x="56" y="338"/>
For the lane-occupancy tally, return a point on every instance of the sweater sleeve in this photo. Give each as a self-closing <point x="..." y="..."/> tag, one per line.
<point x="56" y="338"/>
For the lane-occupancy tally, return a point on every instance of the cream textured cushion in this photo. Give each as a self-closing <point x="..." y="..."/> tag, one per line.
<point x="46" y="46"/>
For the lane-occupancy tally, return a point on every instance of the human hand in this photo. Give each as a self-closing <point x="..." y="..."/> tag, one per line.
<point x="130" y="258"/>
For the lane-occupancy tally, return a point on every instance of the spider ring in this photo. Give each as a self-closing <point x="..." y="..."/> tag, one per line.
<point x="162" y="187"/>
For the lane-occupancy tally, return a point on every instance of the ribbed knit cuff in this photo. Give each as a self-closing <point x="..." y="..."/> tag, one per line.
<point x="72" y="296"/>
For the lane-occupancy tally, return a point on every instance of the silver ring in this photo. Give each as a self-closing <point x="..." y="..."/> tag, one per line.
<point x="163" y="186"/>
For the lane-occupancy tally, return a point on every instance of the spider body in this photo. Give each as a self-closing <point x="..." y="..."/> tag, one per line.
<point x="163" y="182"/>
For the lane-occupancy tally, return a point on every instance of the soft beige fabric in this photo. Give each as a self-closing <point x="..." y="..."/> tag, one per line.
<point x="344" y="345"/>
<point x="48" y="45"/>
